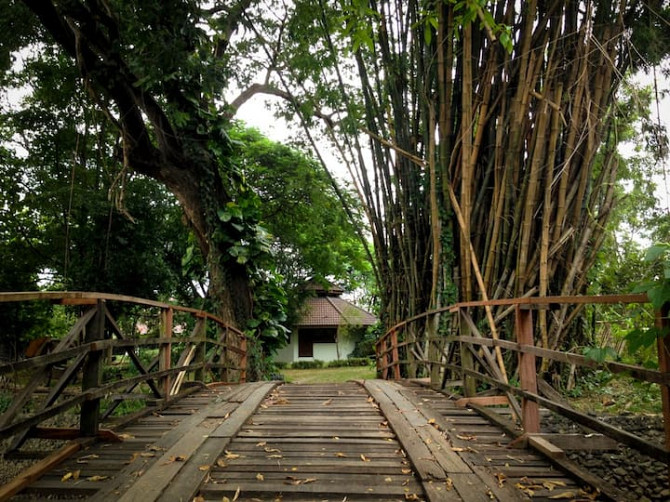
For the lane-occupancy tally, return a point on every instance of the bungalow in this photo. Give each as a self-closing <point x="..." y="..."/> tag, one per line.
<point x="328" y="328"/>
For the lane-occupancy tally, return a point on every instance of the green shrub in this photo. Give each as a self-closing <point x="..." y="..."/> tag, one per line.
<point x="350" y="362"/>
<point x="307" y="365"/>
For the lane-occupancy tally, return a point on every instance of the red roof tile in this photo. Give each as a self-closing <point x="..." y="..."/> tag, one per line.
<point x="333" y="311"/>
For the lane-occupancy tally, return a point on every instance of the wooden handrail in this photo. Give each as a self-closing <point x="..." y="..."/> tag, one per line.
<point x="388" y="347"/>
<point x="90" y="298"/>
<point x="94" y="334"/>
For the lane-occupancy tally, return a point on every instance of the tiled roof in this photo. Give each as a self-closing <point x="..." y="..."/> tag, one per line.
<point x="333" y="311"/>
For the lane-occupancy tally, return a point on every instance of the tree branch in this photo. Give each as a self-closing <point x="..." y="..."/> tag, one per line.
<point x="270" y="90"/>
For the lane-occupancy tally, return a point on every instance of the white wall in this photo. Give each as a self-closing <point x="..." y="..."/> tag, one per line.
<point x="322" y="351"/>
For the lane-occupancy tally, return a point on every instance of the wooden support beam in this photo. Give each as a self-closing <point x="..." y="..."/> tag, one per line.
<point x="530" y="411"/>
<point x="68" y="433"/>
<point x="395" y="357"/>
<point x="663" y="323"/>
<point x="467" y="359"/>
<point x="165" y="350"/>
<point x="483" y="401"/>
<point x="89" y="418"/>
<point x="547" y="448"/>
<point x="580" y="442"/>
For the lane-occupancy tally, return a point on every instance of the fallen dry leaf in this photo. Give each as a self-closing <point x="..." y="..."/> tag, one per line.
<point x="466" y="437"/>
<point x="97" y="478"/>
<point x="260" y="477"/>
<point x="204" y="467"/>
<point x="132" y="458"/>
<point x="501" y="478"/>
<point x="364" y="458"/>
<point x="220" y="462"/>
<point x="272" y="450"/>
<point x="292" y="480"/>
<point x="564" y="495"/>
<point x="431" y="421"/>
<point x="175" y="458"/>
<point x="406" y="471"/>
<point x="339" y="454"/>
<point x="275" y="456"/>
<point x="125" y="436"/>
<point x="411" y="496"/>
<point x="86" y="458"/>
<point x="199" y="498"/>
<point x="450" y="484"/>
<point x="262" y="443"/>
<point x="147" y="454"/>
<point x="327" y="402"/>
<point x="550" y="485"/>
<point x="231" y="456"/>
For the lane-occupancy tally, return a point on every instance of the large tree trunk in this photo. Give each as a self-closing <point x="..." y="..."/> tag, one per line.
<point x="179" y="157"/>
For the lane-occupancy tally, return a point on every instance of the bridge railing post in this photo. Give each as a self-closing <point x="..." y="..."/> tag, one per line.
<point x="663" y="341"/>
<point x="530" y="411"/>
<point x="382" y="359"/>
<point x="200" y="353"/>
<point x="467" y="359"/>
<point x="395" y="357"/>
<point x="243" y="359"/>
<point x="89" y="418"/>
<point x="165" y="350"/>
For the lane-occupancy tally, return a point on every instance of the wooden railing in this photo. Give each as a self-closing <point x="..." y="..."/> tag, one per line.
<point x="163" y="352"/>
<point x="414" y="348"/>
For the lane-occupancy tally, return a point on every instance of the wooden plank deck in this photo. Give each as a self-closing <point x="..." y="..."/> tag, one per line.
<point x="376" y="441"/>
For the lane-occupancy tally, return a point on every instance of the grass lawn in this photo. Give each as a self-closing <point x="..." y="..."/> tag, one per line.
<point x="330" y="375"/>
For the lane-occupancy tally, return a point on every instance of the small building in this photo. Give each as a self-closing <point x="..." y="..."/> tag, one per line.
<point x="328" y="329"/>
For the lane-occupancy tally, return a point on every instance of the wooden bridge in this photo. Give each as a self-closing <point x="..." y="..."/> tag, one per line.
<point x="371" y="440"/>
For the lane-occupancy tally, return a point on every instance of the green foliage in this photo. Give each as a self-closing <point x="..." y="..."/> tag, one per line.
<point x="658" y="291"/>
<point x="306" y="365"/>
<point x="591" y="381"/>
<point x="350" y="362"/>
<point x="365" y="346"/>
<point x="600" y="354"/>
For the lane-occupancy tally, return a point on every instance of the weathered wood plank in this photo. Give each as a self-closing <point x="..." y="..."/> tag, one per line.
<point x="128" y="474"/>
<point x="423" y="420"/>
<point x="184" y="485"/>
<point x="416" y="450"/>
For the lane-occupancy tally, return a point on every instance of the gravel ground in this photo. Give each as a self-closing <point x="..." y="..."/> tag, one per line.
<point x="10" y="468"/>
<point x="643" y="477"/>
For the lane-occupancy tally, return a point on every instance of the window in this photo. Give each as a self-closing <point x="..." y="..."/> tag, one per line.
<point x="307" y="337"/>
